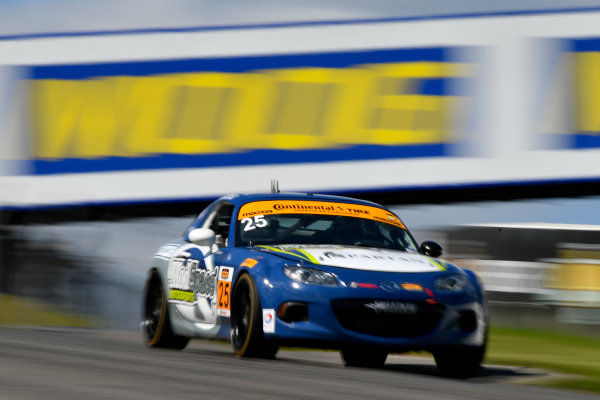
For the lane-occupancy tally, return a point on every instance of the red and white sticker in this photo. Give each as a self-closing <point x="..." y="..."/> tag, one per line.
<point x="224" y="291"/>
<point x="268" y="320"/>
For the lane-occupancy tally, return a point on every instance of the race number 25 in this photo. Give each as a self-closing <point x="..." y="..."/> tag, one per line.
<point x="224" y="291"/>
<point x="224" y="288"/>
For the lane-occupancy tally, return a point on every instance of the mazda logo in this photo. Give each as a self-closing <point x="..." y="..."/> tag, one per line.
<point x="393" y="307"/>
<point x="390" y="286"/>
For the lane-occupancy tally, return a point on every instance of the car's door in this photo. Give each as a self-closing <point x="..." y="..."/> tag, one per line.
<point x="193" y="274"/>
<point x="220" y="222"/>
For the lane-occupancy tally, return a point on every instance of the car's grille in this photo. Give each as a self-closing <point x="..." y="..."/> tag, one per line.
<point x="387" y="318"/>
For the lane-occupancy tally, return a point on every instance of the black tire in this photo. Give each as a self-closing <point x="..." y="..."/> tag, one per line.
<point x="247" y="337"/>
<point x="363" y="357"/>
<point x="461" y="361"/>
<point x="156" y="323"/>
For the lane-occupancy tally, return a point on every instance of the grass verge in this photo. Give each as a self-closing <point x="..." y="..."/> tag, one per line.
<point x="569" y="354"/>
<point x="16" y="310"/>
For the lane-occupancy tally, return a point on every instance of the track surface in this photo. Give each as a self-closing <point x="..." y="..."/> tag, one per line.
<point x="40" y="363"/>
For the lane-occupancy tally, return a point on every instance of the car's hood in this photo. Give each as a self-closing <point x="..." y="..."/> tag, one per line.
<point x="363" y="258"/>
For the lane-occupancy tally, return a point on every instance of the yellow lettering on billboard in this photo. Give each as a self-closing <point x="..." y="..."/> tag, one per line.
<point x="304" y="100"/>
<point x="211" y="112"/>
<point x="74" y="119"/>
<point x="119" y="116"/>
<point x="587" y="77"/>
<point x="286" y="109"/>
<point x="200" y="113"/>
<point x="254" y="94"/>
<point x="350" y="107"/>
<point x="142" y="112"/>
<point x="398" y="115"/>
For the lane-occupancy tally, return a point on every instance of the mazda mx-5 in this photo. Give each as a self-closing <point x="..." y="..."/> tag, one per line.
<point x="309" y="270"/>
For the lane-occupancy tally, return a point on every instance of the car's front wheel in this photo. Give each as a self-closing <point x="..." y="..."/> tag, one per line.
<point x="363" y="357"/>
<point x="156" y="323"/>
<point x="247" y="335"/>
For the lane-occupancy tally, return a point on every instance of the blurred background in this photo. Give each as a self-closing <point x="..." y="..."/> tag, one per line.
<point x="476" y="122"/>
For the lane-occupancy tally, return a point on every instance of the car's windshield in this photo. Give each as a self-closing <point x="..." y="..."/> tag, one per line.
<point x="364" y="226"/>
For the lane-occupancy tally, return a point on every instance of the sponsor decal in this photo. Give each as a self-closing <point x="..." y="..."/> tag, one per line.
<point x="392" y="307"/>
<point x="249" y="262"/>
<point x="224" y="291"/>
<point x="373" y="256"/>
<point x="367" y="259"/>
<point x="356" y="285"/>
<point x="258" y="221"/>
<point x="185" y="275"/>
<point x="190" y="276"/>
<point x="224" y="274"/>
<point x="350" y="256"/>
<point x="268" y="320"/>
<point x="389" y="286"/>
<point x="260" y="208"/>
<point x="181" y="295"/>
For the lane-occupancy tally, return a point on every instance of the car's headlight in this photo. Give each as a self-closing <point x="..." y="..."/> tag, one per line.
<point x="310" y="276"/>
<point x="454" y="282"/>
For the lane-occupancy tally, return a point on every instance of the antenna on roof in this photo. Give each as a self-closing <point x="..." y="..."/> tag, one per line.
<point x="274" y="186"/>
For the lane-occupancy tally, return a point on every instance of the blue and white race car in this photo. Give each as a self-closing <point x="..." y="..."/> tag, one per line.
<point x="313" y="271"/>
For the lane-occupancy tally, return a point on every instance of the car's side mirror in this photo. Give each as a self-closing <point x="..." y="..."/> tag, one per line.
<point x="431" y="249"/>
<point x="202" y="237"/>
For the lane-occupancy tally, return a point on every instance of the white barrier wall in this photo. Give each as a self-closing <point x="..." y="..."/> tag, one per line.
<point x="196" y="113"/>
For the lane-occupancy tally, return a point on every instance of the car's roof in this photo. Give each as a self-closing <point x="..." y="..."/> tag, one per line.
<point x="239" y="199"/>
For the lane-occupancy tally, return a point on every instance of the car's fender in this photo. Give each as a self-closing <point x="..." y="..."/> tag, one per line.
<point x="192" y="308"/>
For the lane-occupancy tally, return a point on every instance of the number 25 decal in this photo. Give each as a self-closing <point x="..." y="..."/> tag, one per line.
<point x="259" y="221"/>
<point x="224" y="291"/>
<point x="224" y="288"/>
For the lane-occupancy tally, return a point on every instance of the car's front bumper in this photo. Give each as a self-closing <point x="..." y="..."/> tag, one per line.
<point x="341" y="316"/>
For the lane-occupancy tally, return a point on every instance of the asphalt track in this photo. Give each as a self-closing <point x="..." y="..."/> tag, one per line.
<point x="37" y="363"/>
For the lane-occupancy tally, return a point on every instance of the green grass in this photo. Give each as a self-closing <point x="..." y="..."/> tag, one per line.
<point x="573" y="355"/>
<point x="16" y="310"/>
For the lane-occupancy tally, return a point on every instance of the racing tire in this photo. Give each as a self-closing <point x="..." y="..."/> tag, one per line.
<point x="247" y="337"/>
<point x="364" y="358"/>
<point x="461" y="361"/>
<point x="156" y="322"/>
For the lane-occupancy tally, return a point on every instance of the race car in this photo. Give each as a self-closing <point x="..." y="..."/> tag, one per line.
<point x="277" y="269"/>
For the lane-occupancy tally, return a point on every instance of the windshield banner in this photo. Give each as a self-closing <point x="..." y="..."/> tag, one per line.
<point x="318" y="207"/>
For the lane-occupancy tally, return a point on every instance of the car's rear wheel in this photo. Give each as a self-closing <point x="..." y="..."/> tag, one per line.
<point x="247" y="335"/>
<point x="363" y="357"/>
<point x="156" y="323"/>
<point x="460" y="361"/>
